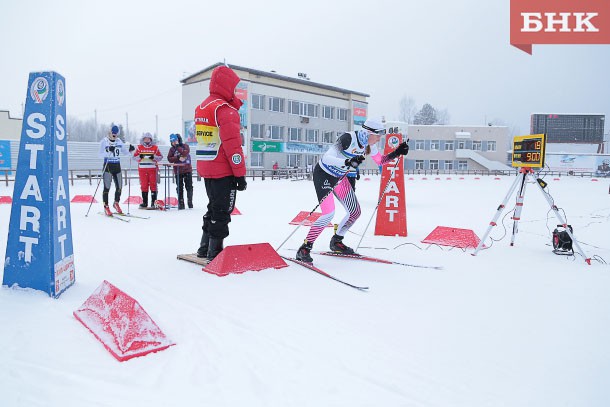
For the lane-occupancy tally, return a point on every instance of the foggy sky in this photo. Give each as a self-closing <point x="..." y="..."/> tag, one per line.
<point x="127" y="57"/>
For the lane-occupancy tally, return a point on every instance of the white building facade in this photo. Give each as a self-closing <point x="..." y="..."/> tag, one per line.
<point x="291" y="121"/>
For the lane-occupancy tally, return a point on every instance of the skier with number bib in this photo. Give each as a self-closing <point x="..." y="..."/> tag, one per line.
<point x="220" y="158"/>
<point x="111" y="149"/>
<point x="180" y="155"/>
<point x="148" y="155"/>
<point x="336" y="172"/>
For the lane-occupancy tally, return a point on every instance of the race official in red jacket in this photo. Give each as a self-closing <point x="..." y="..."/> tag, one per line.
<point x="220" y="158"/>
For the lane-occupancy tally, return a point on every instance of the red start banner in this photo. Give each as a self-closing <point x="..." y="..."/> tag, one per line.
<point x="392" y="212"/>
<point x="559" y="22"/>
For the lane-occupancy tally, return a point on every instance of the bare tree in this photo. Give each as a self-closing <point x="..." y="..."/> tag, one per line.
<point x="443" y="117"/>
<point x="408" y="108"/>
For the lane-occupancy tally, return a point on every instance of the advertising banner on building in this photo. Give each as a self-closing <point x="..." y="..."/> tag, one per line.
<point x="359" y="113"/>
<point x="306" y="148"/>
<point x="5" y="155"/>
<point x="259" y="146"/>
<point x="39" y="252"/>
<point x="392" y="212"/>
<point x="596" y="163"/>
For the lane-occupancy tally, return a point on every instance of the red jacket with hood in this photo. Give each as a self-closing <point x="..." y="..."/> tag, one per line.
<point x="230" y="158"/>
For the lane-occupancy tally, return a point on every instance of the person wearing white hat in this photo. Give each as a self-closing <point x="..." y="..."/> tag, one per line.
<point x="111" y="149"/>
<point x="336" y="173"/>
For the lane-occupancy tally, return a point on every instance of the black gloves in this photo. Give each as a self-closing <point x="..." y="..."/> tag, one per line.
<point x="111" y="149"/>
<point x="240" y="183"/>
<point x="142" y="156"/>
<point x="402" y="149"/>
<point x="355" y="161"/>
<point x="131" y="148"/>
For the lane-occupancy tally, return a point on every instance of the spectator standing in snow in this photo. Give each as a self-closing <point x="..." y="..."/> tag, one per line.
<point x="111" y="149"/>
<point x="337" y="169"/>
<point x="220" y="158"/>
<point x="180" y="155"/>
<point x="148" y="155"/>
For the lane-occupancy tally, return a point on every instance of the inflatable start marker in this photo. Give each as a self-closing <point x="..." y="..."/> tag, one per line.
<point x="392" y="211"/>
<point x="120" y="323"/>
<point x="39" y="251"/>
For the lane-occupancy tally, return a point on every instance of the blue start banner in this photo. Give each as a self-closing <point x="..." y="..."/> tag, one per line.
<point x="5" y="155"/>
<point x="39" y="251"/>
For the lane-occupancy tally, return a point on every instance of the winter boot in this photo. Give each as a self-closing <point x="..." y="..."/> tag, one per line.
<point x="337" y="245"/>
<point x="203" y="245"/>
<point x="117" y="208"/>
<point x="215" y="248"/>
<point x="107" y="210"/>
<point x="144" y="203"/>
<point x="189" y="198"/>
<point x="303" y="254"/>
<point x="180" y="204"/>
<point x="153" y="196"/>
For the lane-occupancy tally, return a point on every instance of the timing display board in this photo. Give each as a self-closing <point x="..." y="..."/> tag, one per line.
<point x="528" y="151"/>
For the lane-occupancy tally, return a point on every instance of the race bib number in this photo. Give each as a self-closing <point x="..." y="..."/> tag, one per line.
<point x="208" y="141"/>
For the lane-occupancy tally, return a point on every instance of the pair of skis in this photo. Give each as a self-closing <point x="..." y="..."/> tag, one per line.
<point x="123" y="216"/>
<point x="355" y="256"/>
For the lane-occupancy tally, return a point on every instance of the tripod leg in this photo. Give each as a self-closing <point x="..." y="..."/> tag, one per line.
<point x="518" y="209"/>
<point x="497" y="215"/>
<point x="563" y="222"/>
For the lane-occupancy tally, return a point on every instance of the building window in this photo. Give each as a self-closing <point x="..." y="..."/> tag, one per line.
<point x="476" y="145"/>
<point x="328" y="112"/>
<point x="462" y="165"/>
<point x="419" y="164"/>
<point x="293" y="107"/>
<point x="294" y="134"/>
<point x="302" y="108"/>
<point x="449" y="145"/>
<point x="419" y="144"/>
<point x="276" y="104"/>
<point x="435" y="145"/>
<point x="491" y="146"/>
<point x="448" y="165"/>
<point x="434" y="164"/>
<point x="311" y="136"/>
<point x="342" y="114"/>
<point x="294" y="160"/>
<point x="258" y="102"/>
<point x="276" y="132"/>
<point x="311" y="160"/>
<point x="257" y="130"/>
<point x="461" y="145"/>
<point x="327" y="137"/>
<point x="256" y="159"/>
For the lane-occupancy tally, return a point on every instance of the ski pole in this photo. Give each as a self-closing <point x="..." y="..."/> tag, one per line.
<point x="129" y="184"/>
<point x="313" y="210"/>
<point x="98" y="185"/>
<point x="378" y="203"/>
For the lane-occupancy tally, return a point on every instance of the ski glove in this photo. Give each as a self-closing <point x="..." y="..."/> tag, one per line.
<point x="142" y="156"/>
<point x="402" y="149"/>
<point x="110" y="148"/>
<point x="240" y="183"/>
<point x="355" y="161"/>
<point x="131" y="148"/>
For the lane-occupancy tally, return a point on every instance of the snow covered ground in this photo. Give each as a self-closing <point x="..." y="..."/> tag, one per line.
<point x="513" y="326"/>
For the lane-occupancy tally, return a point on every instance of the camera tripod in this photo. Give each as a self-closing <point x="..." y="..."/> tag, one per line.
<point x="521" y="182"/>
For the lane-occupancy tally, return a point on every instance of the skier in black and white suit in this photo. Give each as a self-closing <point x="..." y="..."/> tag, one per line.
<point x="337" y="171"/>
<point x="111" y="149"/>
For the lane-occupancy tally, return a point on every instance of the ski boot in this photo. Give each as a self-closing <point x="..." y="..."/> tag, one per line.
<point x="337" y="245"/>
<point x="303" y="254"/>
<point x="117" y="208"/>
<point x="107" y="210"/>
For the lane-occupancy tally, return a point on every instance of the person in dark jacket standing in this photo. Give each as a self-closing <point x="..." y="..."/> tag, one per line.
<point x="220" y="158"/>
<point x="180" y="155"/>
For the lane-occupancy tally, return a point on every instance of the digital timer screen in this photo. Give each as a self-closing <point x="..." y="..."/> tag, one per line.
<point x="528" y="151"/>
